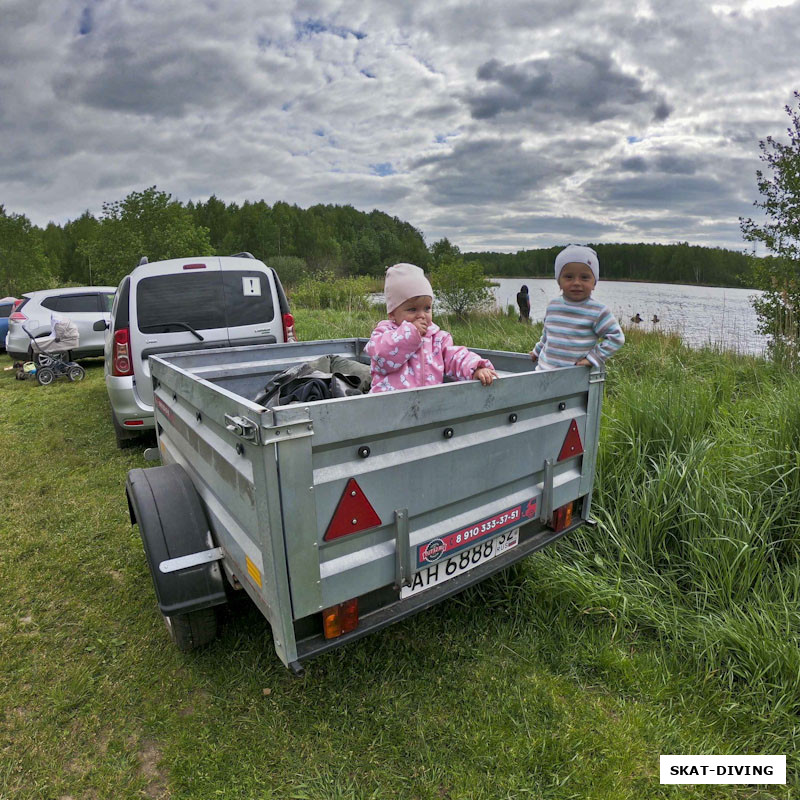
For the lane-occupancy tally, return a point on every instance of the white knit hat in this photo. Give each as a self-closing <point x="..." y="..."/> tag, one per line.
<point x="578" y="254"/>
<point x="404" y="281"/>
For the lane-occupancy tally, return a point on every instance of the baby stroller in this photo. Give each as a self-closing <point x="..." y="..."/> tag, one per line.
<point x="50" y="354"/>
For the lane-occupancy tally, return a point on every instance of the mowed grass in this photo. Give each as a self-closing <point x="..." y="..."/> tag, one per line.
<point x="564" y="677"/>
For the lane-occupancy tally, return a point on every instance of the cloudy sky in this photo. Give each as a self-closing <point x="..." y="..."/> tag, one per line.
<point x="501" y="125"/>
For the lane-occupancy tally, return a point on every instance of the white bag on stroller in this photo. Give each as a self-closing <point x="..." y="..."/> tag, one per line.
<point x="50" y="353"/>
<point x="63" y="337"/>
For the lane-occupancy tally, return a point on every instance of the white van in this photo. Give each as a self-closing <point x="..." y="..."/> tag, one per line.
<point x="179" y="305"/>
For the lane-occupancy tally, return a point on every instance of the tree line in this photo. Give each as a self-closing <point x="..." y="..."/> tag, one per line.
<point x="329" y="239"/>
<point x="659" y="263"/>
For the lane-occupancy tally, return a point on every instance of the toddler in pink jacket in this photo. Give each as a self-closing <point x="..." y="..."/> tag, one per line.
<point x="408" y="350"/>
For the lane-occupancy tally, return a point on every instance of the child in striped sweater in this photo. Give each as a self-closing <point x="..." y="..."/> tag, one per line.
<point x="578" y="330"/>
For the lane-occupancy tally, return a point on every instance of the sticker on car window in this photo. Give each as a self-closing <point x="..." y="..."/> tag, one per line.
<point x="251" y="287"/>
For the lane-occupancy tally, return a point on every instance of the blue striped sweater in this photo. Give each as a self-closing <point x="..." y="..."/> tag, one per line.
<point x="573" y="331"/>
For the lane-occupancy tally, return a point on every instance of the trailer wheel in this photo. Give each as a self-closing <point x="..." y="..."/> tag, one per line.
<point x="192" y="630"/>
<point x="172" y="523"/>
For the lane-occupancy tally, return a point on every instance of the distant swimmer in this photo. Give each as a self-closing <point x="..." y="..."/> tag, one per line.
<point x="655" y="319"/>
<point x="637" y="319"/>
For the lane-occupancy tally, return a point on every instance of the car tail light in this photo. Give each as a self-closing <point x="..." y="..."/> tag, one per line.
<point x="562" y="517"/>
<point x="194" y="266"/>
<point x="121" y="362"/>
<point x="340" y="619"/>
<point x="288" y="328"/>
<point x="133" y="422"/>
<point x="18" y="316"/>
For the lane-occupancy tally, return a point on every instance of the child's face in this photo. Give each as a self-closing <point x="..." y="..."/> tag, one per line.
<point x="576" y="282"/>
<point x="415" y="309"/>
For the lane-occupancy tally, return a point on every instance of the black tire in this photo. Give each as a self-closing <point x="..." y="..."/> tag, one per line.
<point x="76" y="373"/>
<point x="45" y="376"/>
<point x="192" y="630"/>
<point x="172" y="523"/>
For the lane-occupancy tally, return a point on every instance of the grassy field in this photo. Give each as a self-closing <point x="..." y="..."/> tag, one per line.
<point x="671" y="628"/>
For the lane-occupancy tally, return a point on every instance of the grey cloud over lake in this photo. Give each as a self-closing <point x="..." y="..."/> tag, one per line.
<point x="503" y="126"/>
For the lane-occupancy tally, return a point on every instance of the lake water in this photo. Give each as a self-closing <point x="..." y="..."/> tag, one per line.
<point x="701" y="315"/>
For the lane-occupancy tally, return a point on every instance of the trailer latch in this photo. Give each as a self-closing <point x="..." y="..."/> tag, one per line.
<point x="244" y="428"/>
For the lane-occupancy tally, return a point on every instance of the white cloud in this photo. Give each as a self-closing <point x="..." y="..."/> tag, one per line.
<point x="498" y="126"/>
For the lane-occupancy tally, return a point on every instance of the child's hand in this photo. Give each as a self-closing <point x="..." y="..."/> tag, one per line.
<point x="421" y="325"/>
<point x="584" y="362"/>
<point x="484" y="375"/>
<point x="534" y="357"/>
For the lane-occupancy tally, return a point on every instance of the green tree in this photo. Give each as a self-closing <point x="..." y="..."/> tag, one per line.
<point x="778" y="309"/>
<point x="24" y="267"/>
<point x="147" y="223"/>
<point x="444" y="250"/>
<point x="461" y="286"/>
<point x="290" y="269"/>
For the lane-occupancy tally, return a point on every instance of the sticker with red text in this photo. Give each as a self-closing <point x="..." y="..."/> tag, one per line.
<point x="442" y="546"/>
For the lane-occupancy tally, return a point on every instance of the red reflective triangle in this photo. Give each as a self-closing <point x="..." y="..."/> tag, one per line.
<point x="573" y="446"/>
<point x="354" y="513"/>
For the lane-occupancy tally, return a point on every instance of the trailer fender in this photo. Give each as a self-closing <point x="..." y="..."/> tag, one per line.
<point x="172" y="523"/>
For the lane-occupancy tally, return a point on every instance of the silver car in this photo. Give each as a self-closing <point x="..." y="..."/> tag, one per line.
<point x="84" y="305"/>
<point x="185" y="304"/>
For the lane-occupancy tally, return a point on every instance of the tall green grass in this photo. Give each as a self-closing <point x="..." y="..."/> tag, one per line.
<point x="325" y="290"/>
<point x="698" y="502"/>
<point x="670" y="628"/>
<point x="698" y="499"/>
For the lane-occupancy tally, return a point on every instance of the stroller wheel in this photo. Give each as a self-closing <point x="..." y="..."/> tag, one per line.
<point x="76" y="373"/>
<point x="45" y="376"/>
<point x="20" y="376"/>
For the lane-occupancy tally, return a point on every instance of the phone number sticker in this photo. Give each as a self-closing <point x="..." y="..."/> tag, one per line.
<point x="438" y="548"/>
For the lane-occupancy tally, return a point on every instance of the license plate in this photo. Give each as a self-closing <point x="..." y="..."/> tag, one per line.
<point x="459" y="563"/>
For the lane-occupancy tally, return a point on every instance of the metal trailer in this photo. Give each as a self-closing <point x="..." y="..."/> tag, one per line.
<point x="340" y="517"/>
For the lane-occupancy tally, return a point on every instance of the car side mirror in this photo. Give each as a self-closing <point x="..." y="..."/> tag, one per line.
<point x="100" y="325"/>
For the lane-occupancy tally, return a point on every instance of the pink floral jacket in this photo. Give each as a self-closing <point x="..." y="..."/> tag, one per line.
<point x="402" y="359"/>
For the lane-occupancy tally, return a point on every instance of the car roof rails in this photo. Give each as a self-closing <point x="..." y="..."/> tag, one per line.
<point x="243" y="255"/>
<point x="142" y="260"/>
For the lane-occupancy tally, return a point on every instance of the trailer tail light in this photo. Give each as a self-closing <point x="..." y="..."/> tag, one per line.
<point x="353" y="514"/>
<point x="288" y="328"/>
<point x="573" y="446"/>
<point x="121" y="362"/>
<point x="340" y="619"/>
<point x="562" y="517"/>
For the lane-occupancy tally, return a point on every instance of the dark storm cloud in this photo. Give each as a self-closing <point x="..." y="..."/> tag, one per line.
<point x="669" y="163"/>
<point x="486" y="171"/>
<point x="576" y="228"/>
<point x="698" y="195"/>
<point x="579" y="85"/>
<point x="533" y="225"/>
<point x="161" y="83"/>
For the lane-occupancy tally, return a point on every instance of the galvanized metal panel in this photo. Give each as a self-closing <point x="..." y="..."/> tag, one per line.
<point x="493" y="460"/>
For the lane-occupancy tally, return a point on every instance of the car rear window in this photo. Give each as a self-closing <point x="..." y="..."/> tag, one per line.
<point x="203" y="300"/>
<point x="71" y="302"/>
<point x="248" y="297"/>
